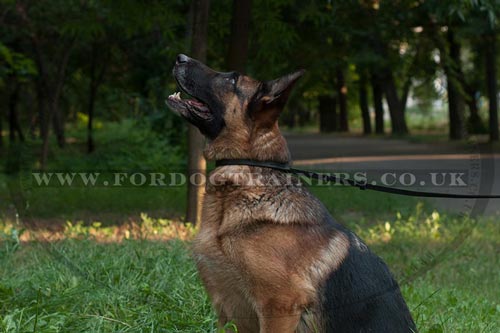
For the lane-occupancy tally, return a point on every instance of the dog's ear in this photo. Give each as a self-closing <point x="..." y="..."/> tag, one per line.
<point x="271" y="98"/>
<point x="277" y="91"/>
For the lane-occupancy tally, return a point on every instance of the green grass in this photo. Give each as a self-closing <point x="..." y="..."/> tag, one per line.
<point x="83" y="283"/>
<point x="87" y="203"/>
<point x="84" y="286"/>
<point x="353" y="206"/>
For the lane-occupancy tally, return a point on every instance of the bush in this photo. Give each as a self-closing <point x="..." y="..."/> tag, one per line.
<point x="124" y="145"/>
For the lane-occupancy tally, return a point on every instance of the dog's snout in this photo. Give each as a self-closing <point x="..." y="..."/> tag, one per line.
<point x="182" y="58"/>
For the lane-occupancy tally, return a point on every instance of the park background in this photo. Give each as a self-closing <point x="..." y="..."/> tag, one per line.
<point x="83" y="88"/>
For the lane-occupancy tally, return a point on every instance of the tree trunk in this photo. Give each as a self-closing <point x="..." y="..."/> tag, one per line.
<point x="196" y="161"/>
<point x="388" y="87"/>
<point x="342" y="98"/>
<point x="363" y="104"/>
<point x="58" y="123"/>
<point x="238" y="43"/>
<point x="96" y="79"/>
<point x="91" y="106"/>
<point x="52" y="94"/>
<point x="43" y="120"/>
<point x="49" y="93"/>
<point x="396" y="107"/>
<point x="33" y="112"/>
<point x="492" y="87"/>
<point x="456" y="102"/>
<point x="91" y="101"/>
<point x="378" y="104"/>
<point x="50" y="84"/>
<point x="474" y="123"/>
<point x="303" y="115"/>
<point x="327" y="114"/>
<point x="288" y="118"/>
<point x="14" y="126"/>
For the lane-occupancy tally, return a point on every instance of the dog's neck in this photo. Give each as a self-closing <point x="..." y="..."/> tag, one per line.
<point x="259" y="145"/>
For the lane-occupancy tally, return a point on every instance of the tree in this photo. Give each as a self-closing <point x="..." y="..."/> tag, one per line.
<point x="14" y="127"/>
<point x="363" y="103"/>
<point x="472" y="81"/>
<point x="342" y="98"/>
<point x="15" y="71"/>
<point x="196" y="161"/>
<point x="95" y="80"/>
<point x="382" y="42"/>
<point x="491" y="79"/>
<point x="325" y="55"/>
<point x="378" y="104"/>
<point x="327" y="114"/>
<point x="489" y="11"/>
<point x="456" y="102"/>
<point x="240" y="28"/>
<point x="386" y="41"/>
<point x="51" y="59"/>
<point x="447" y="17"/>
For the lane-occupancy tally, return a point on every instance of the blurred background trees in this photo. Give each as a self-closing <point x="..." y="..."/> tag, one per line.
<point x="394" y="67"/>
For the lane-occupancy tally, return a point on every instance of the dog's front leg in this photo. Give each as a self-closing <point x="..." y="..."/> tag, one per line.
<point x="235" y="314"/>
<point x="279" y="324"/>
<point x="278" y="315"/>
<point x="221" y="319"/>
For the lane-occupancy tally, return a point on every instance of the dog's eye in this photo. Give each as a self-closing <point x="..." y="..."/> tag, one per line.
<point x="231" y="80"/>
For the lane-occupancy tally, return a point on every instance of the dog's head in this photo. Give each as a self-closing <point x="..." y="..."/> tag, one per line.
<point x="236" y="113"/>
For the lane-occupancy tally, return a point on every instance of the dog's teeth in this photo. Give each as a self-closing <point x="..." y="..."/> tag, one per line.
<point x="176" y="95"/>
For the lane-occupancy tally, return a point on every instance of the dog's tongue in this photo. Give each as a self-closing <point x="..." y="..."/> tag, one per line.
<point x="195" y="102"/>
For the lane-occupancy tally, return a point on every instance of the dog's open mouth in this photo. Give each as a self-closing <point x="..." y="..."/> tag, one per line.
<point x="188" y="107"/>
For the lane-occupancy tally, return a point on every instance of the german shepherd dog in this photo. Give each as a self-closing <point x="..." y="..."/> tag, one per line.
<point x="271" y="257"/>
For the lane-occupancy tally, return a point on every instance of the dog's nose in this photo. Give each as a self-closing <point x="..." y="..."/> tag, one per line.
<point x="182" y="58"/>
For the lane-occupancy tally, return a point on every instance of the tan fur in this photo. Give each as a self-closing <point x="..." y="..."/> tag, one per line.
<point x="263" y="250"/>
<point x="244" y="137"/>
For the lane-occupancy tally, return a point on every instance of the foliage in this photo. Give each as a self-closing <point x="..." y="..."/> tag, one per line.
<point x="14" y="64"/>
<point x="125" y="51"/>
<point x="125" y="145"/>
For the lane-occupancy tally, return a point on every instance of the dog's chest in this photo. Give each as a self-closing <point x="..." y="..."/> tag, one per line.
<point x="247" y="218"/>
<point x="227" y="219"/>
<point x="211" y="245"/>
<point x="216" y="255"/>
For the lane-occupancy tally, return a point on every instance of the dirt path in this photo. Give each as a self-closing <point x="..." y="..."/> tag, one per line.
<point x="313" y="146"/>
<point x="471" y="169"/>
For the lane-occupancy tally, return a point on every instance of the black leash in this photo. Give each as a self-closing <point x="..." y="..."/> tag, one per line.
<point x="362" y="186"/>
